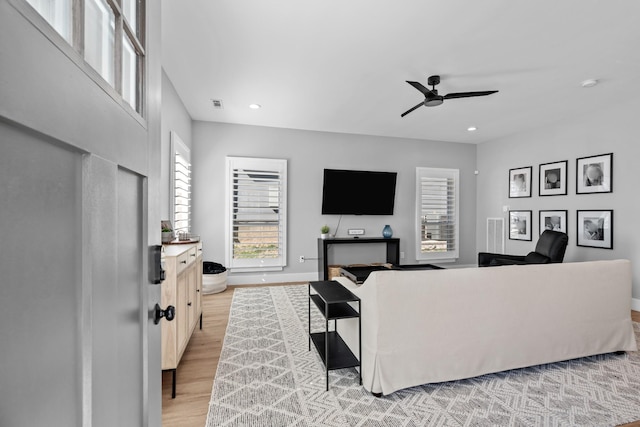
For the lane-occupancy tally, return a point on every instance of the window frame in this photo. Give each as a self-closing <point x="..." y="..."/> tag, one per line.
<point x="74" y="48"/>
<point x="255" y="264"/>
<point x="428" y="172"/>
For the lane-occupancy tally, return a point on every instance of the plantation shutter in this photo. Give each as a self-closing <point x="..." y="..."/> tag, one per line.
<point x="256" y="208"/>
<point x="180" y="185"/>
<point x="437" y="198"/>
<point x="182" y="191"/>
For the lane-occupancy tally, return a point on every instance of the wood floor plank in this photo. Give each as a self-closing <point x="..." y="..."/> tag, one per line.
<point x="200" y="360"/>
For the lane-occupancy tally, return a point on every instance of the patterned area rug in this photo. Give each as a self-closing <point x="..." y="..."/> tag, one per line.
<point x="268" y="377"/>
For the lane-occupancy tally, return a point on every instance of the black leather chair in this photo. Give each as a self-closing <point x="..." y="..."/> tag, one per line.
<point x="550" y="248"/>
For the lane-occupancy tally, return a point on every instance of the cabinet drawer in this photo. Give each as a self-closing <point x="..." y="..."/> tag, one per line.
<point x="182" y="261"/>
<point x="193" y="253"/>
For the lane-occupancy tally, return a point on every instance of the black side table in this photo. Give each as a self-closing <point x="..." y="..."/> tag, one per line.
<point x="332" y="299"/>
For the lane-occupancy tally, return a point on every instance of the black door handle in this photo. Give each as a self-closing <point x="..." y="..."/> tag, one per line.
<point x="169" y="313"/>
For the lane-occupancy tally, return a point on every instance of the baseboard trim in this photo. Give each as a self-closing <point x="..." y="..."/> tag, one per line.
<point x="635" y="304"/>
<point x="458" y="265"/>
<point x="269" y="278"/>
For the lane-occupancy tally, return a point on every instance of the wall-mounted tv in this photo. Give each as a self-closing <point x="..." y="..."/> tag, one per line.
<point x="352" y="192"/>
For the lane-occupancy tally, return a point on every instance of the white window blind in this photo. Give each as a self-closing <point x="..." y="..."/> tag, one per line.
<point x="256" y="213"/>
<point x="180" y="185"/>
<point x="437" y="208"/>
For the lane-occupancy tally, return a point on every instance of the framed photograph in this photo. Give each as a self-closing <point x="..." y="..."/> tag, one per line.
<point x="594" y="174"/>
<point x="595" y="229"/>
<point x="553" y="220"/>
<point x="520" y="182"/>
<point x="520" y="225"/>
<point x="553" y="179"/>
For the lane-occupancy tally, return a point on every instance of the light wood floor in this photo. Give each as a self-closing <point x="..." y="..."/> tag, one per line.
<point x="198" y="366"/>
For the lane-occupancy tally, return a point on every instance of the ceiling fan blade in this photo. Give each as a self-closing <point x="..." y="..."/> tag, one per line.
<point x="411" y="109"/>
<point x="468" y="94"/>
<point x="421" y="88"/>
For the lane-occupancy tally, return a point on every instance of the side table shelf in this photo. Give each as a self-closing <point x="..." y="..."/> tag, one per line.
<point x="332" y="300"/>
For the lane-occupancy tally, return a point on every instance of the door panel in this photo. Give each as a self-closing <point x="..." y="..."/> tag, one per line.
<point x="73" y="287"/>
<point x="114" y="208"/>
<point x="40" y="229"/>
<point x="130" y="306"/>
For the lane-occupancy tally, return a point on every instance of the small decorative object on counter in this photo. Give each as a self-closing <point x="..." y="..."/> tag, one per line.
<point x="167" y="231"/>
<point x="324" y="230"/>
<point x="387" y="232"/>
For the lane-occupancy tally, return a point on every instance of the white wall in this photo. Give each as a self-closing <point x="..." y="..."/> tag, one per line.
<point x="614" y="129"/>
<point x="174" y="118"/>
<point x="308" y="153"/>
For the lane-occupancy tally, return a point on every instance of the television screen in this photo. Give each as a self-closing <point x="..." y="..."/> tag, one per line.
<point x="358" y="192"/>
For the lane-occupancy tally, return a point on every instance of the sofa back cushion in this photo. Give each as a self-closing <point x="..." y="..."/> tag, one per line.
<point x="552" y="244"/>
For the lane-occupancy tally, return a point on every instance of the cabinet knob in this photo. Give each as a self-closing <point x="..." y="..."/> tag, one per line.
<point x="183" y="262"/>
<point x="169" y="313"/>
<point x="189" y="304"/>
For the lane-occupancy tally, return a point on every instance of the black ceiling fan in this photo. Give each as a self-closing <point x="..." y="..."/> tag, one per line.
<point x="431" y="97"/>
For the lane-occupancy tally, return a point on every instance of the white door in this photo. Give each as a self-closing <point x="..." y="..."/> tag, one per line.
<point x="74" y="305"/>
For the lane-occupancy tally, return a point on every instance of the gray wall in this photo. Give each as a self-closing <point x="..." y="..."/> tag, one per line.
<point x="308" y="153"/>
<point x="174" y="118"/>
<point x="613" y="129"/>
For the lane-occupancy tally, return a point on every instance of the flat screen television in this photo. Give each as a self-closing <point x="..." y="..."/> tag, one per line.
<point x="351" y="192"/>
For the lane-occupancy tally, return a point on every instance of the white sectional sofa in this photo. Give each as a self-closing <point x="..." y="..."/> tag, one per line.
<point x="431" y="326"/>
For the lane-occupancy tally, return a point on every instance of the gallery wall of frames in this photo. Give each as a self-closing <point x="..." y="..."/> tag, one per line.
<point x="593" y="176"/>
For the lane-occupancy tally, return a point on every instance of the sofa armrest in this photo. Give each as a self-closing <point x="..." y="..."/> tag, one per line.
<point x="536" y="258"/>
<point x="486" y="259"/>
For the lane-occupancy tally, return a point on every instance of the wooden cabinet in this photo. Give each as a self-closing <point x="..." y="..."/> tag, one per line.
<point x="182" y="288"/>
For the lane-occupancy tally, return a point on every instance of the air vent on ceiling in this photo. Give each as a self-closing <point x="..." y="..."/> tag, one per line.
<point x="217" y="103"/>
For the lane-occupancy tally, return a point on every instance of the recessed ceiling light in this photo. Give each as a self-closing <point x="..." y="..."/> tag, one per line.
<point x="255" y="106"/>
<point x="472" y="128"/>
<point x="589" y="83"/>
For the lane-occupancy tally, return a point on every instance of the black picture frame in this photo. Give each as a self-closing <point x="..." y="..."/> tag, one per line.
<point x="553" y="220"/>
<point x="594" y="174"/>
<point x="553" y="179"/>
<point x="520" y="182"/>
<point x="594" y="228"/>
<point x="520" y="225"/>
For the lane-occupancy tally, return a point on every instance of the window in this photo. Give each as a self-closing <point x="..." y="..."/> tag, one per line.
<point x="57" y="13"/>
<point x="256" y="214"/>
<point x="99" y="35"/>
<point x="107" y="35"/>
<point x="437" y="207"/>
<point x="180" y="185"/>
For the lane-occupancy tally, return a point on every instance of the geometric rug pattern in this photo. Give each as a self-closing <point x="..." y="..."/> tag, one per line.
<point x="267" y="377"/>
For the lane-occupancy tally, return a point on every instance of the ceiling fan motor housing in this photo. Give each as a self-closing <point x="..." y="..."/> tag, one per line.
<point x="433" y="80"/>
<point x="433" y="102"/>
<point x="433" y="99"/>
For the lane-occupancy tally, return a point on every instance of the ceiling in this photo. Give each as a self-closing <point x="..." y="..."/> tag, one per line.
<point x="341" y="66"/>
